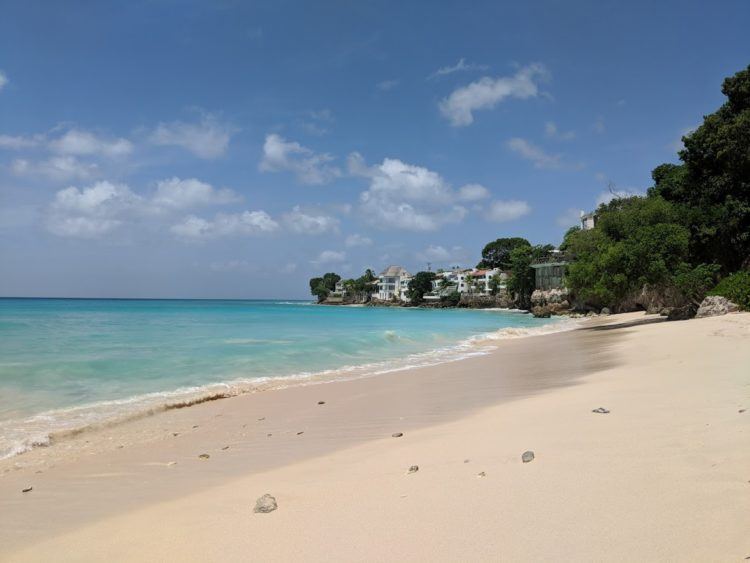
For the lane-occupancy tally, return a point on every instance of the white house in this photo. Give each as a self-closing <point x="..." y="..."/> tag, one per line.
<point x="393" y="282"/>
<point x="482" y="279"/>
<point x="588" y="220"/>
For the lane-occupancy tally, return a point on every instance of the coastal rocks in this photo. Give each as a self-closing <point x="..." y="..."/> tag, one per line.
<point x="527" y="456"/>
<point x="652" y="299"/>
<point x="681" y="313"/>
<point x="605" y="311"/>
<point x="545" y="303"/>
<point x="265" y="504"/>
<point x="715" y="305"/>
<point x="601" y="410"/>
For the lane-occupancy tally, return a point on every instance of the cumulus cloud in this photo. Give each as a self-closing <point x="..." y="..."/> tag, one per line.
<point x="460" y="66"/>
<point x="329" y="257"/>
<point x="18" y="142"/>
<point x="441" y="255"/>
<point x="473" y="192"/>
<point x="552" y="132"/>
<point x="309" y="167"/>
<point x="609" y="195"/>
<point x="310" y="223"/>
<point x="58" y="168"/>
<point x="224" y="225"/>
<point x="356" y="240"/>
<point x="487" y="92"/>
<point x="84" y="143"/>
<point x="175" y="193"/>
<point x="569" y="218"/>
<point x="3" y="80"/>
<point x="405" y="196"/>
<point x="387" y="85"/>
<point x="92" y="211"/>
<point x="535" y="154"/>
<point x="501" y="211"/>
<point x="209" y="138"/>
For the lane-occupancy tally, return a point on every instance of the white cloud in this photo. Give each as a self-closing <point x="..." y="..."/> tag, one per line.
<point x="487" y="92"/>
<point x="441" y="255"/>
<point x="569" y="218"/>
<point x="531" y="152"/>
<point x="355" y="240"/>
<point x="234" y="266"/>
<point x="59" y="168"/>
<point x="552" y="132"/>
<point x="78" y="142"/>
<point x="387" y="85"/>
<point x="609" y="195"/>
<point x="222" y="225"/>
<point x="405" y="196"/>
<point x="473" y="192"/>
<point x="501" y="211"/>
<point x="92" y="211"/>
<point x="329" y="257"/>
<point x="309" y="167"/>
<point x="460" y="66"/>
<point x="175" y="193"/>
<point x="18" y="142"/>
<point x="309" y="223"/>
<point x="3" y="80"/>
<point x="598" y="126"/>
<point x="207" y="139"/>
<point x="288" y="268"/>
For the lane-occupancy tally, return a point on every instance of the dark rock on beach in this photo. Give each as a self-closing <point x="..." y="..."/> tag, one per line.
<point x="27" y="490"/>
<point x="413" y="469"/>
<point x="527" y="456"/>
<point x="265" y="504"/>
<point x="601" y="410"/>
<point x="204" y="456"/>
<point x="397" y="434"/>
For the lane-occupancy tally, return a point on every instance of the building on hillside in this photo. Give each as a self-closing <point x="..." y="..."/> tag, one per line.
<point x="482" y="280"/>
<point x="340" y="289"/>
<point x="588" y="220"/>
<point x="549" y="271"/>
<point x="393" y="282"/>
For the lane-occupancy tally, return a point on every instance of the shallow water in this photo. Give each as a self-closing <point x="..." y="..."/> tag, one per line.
<point x="67" y="363"/>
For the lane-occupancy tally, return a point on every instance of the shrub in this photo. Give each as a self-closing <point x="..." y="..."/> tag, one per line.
<point x="736" y="288"/>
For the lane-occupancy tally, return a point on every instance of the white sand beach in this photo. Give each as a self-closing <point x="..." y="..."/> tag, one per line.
<point x="664" y="475"/>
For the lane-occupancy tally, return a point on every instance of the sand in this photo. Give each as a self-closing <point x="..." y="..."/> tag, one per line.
<point x="665" y="475"/>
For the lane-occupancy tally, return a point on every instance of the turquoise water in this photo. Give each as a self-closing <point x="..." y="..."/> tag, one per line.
<point x="67" y="363"/>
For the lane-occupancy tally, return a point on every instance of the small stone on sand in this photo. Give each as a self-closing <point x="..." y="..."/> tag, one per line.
<point x="225" y="448"/>
<point x="27" y="490"/>
<point x="481" y="474"/>
<point x="261" y="418"/>
<point x="269" y="435"/>
<point x="265" y="504"/>
<point x="397" y="434"/>
<point x="413" y="469"/>
<point x="601" y="410"/>
<point x="321" y="402"/>
<point x="175" y="433"/>
<point x="527" y="456"/>
<point x="741" y="411"/>
<point x="298" y="433"/>
<point x="196" y="426"/>
<point x="204" y="456"/>
<point x="466" y="461"/>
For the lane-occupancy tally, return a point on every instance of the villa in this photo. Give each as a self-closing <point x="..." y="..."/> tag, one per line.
<point x="588" y="220"/>
<point x="549" y="271"/>
<point x="393" y="283"/>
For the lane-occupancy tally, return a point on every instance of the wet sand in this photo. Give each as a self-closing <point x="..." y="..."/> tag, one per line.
<point x="663" y="475"/>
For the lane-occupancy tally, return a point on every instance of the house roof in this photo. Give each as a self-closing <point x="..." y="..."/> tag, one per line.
<point x="392" y="271"/>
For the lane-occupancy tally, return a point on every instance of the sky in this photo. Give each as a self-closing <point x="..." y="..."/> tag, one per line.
<point x="222" y="149"/>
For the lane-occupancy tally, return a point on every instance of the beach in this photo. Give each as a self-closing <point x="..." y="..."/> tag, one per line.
<point x="662" y="474"/>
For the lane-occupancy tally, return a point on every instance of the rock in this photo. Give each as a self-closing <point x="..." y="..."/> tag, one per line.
<point x="265" y="504"/>
<point x="527" y="456"/>
<point x="225" y="448"/>
<point x="682" y="313"/>
<point x="541" y="312"/>
<point x="481" y="474"/>
<point x="605" y="311"/>
<point x="300" y="433"/>
<point x="715" y="305"/>
<point x="27" y="490"/>
<point x="321" y="402"/>
<point x="741" y="411"/>
<point x="601" y="410"/>
<point x="204" y="456"/>
<point x="413" y="469"/>
<point x="397" y="434"/>
<point x="467" y="460"/>
<point x="175" y="433"/>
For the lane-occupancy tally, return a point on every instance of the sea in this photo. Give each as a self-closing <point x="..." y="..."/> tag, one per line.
<point x="70" y="364"/>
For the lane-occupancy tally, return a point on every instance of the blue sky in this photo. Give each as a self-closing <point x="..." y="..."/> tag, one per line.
<point x="234" y="149"/>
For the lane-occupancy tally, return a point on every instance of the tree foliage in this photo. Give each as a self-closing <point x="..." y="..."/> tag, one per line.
<point x="522" y="280"/>
<point x="496" y="254"/>
<point x="420" y="284"/>
<point x="321" y="287"/>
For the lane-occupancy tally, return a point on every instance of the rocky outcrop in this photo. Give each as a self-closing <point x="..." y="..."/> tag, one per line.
<point x="652" y="299"/>
<point x="545" y="303"/>
<point x="715" y="305"/>
<point x="477" y="301"/>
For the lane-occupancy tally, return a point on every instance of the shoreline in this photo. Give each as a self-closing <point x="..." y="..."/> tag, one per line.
<point x="130" y="503"/>
<point x="106" y="414"/>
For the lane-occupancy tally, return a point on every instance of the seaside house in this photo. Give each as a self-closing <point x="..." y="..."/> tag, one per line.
<point x="393" y="283"/>
<point x="588" y="220"/>
<point x="482" y="280"/>
<point x="549" y="270"/>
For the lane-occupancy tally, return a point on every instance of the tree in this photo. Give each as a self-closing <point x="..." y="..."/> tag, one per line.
<point x="712" y="186"/>
<point x="496" y="254"/>
<point x="321" y="287"/>
<point x="494" y="284"/>
<point x="420" y="284"/>
<point x="522" y="278"/>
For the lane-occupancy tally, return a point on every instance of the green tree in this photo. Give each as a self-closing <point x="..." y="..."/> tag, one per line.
<point x="496" y="254"/>
<point x="322" y="287"/>
<point x="420" y="284"/>
<point x="522" y="278"/>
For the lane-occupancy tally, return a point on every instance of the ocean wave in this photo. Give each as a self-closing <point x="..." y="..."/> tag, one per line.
<point x="21" y="435"/>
